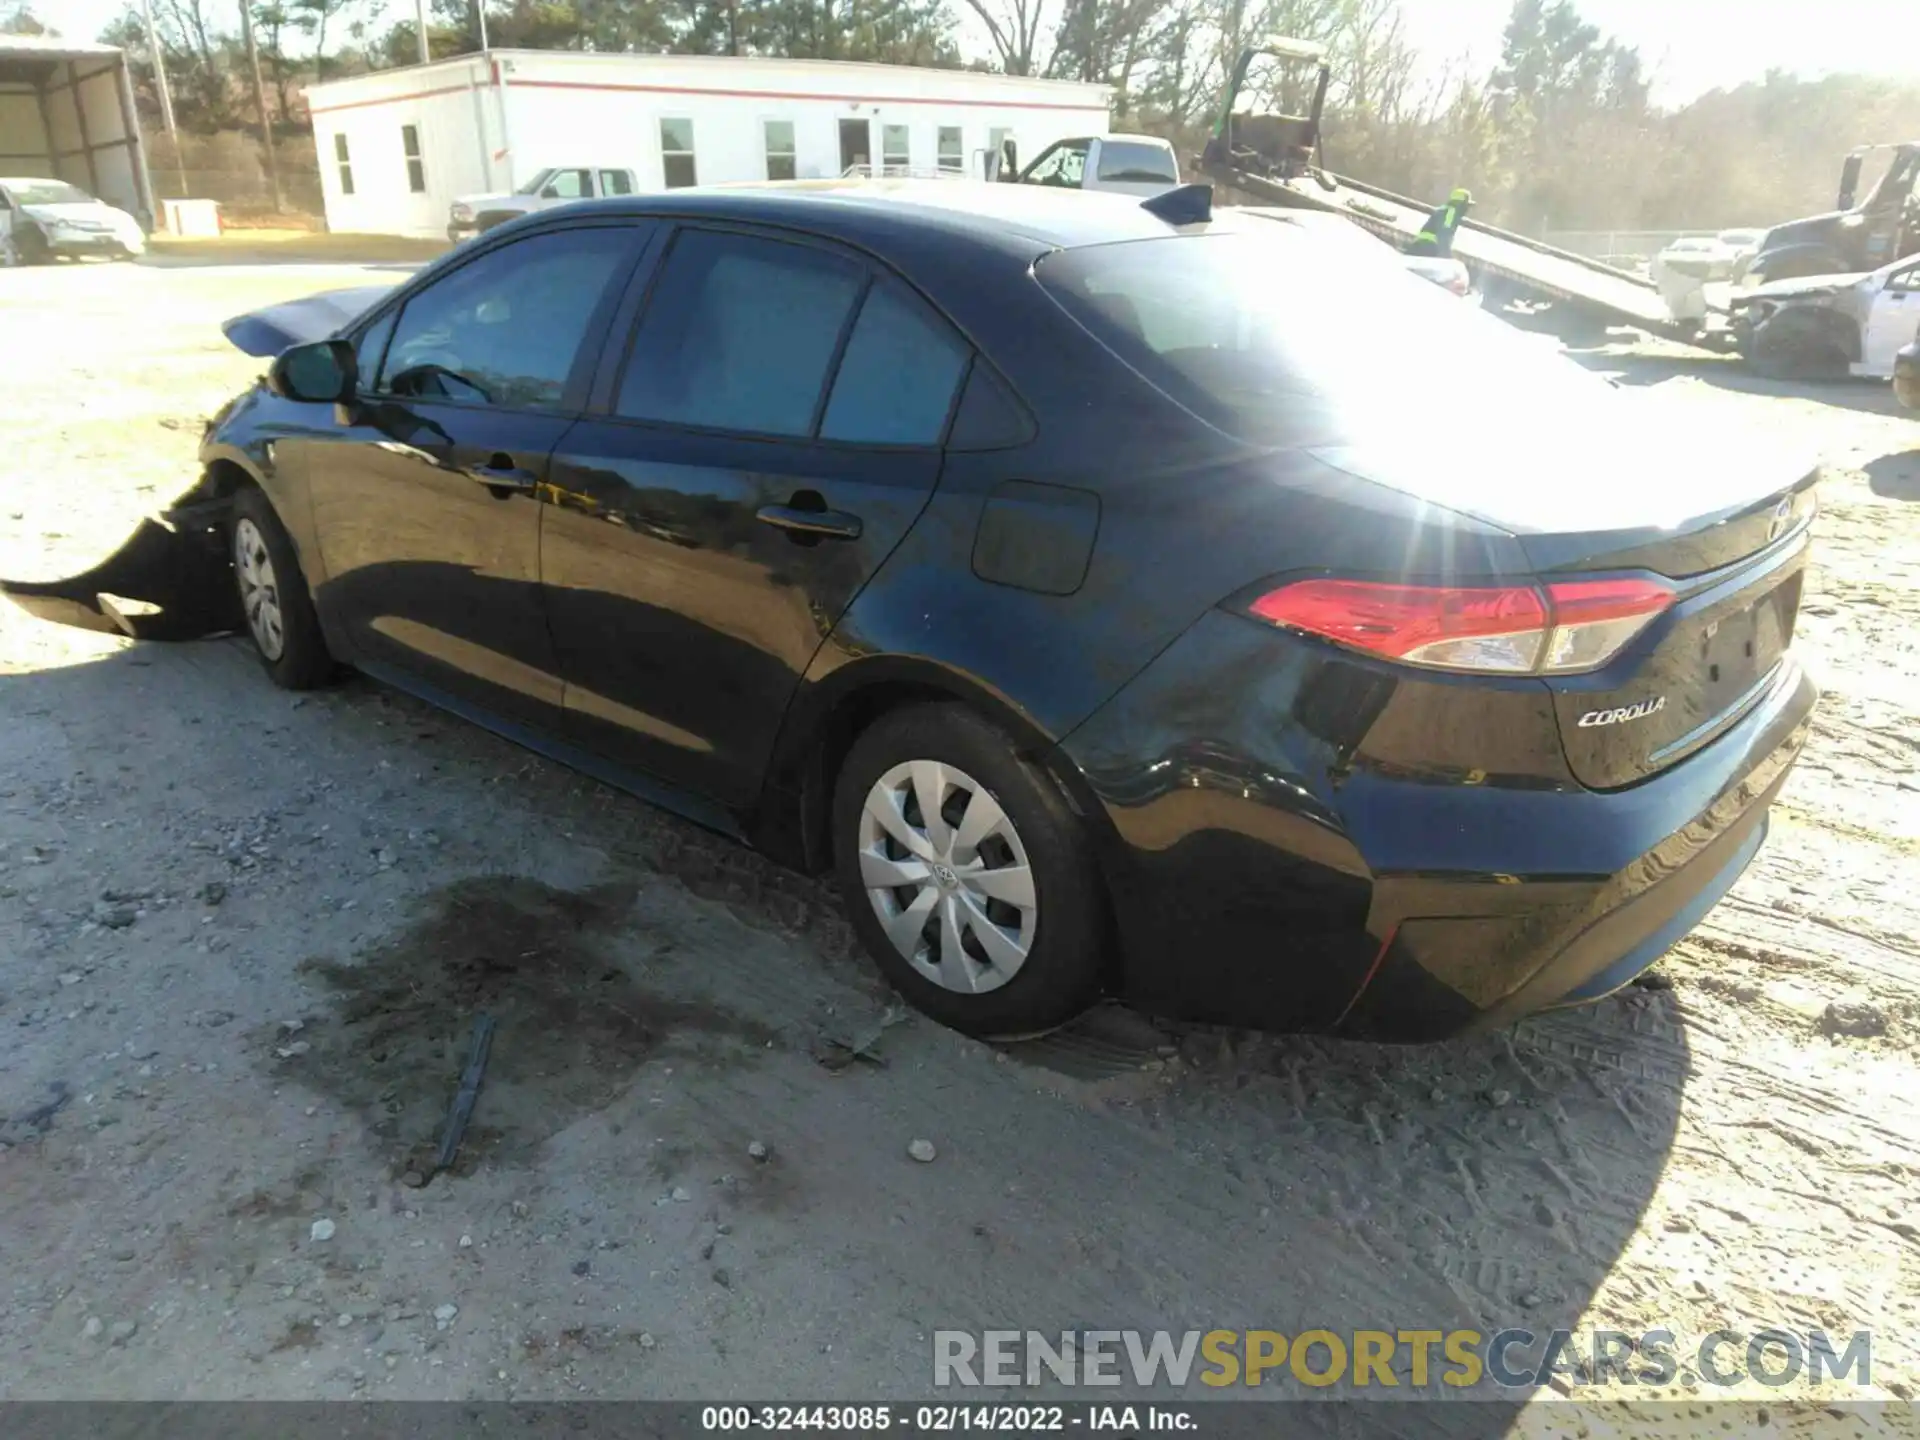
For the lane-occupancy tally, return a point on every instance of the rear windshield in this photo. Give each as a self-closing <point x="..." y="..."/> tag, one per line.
<point x="1272" y="335"/>
<point x="1130" y="160"/>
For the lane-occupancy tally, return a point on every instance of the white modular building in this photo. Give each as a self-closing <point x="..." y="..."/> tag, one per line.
<point x="397" y="147"/>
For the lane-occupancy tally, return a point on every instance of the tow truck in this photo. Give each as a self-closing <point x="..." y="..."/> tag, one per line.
<point x="1279" y="161"/>
<point x="1857" y="234"/>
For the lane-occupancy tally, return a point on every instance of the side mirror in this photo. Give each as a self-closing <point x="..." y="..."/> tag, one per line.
<point x="1849" y="181"/>
<point x="322" y="373"/>
<point x="1009" y="160"/>
<point x="551" y="192"/>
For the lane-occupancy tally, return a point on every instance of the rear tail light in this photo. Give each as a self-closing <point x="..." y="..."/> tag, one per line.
<point x="1560" y="628"/>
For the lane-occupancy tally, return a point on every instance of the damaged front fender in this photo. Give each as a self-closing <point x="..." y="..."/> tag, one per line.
<point x="169" y="580"/>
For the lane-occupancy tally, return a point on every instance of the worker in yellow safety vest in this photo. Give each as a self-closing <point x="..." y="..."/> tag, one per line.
<point x="1436" y="236"/>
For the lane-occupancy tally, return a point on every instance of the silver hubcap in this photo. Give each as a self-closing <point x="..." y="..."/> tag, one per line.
<point x="259" y="591"/>
<point x="948" y="877"/>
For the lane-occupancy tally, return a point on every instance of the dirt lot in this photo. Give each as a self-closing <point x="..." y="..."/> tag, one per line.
<point x="243" y="936"/>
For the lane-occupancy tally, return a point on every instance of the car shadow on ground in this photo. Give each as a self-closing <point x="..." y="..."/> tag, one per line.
<point x="1897" y="477"/>
<point x="1726" y="372"/>
<point x="1209" y="1178"/>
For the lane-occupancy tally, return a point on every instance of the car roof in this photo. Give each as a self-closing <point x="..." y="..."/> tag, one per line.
<point x="1035" y="218"/>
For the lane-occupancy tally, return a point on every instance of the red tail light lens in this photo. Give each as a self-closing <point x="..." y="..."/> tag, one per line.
<point x="1561" y="628"/>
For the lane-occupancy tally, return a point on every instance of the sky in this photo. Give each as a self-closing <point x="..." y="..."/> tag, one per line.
<point x="1690" y="46"/>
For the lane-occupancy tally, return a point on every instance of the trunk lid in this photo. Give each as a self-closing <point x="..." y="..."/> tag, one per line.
<point x="1698" y="667"/>
<point x="1639" y="492"/>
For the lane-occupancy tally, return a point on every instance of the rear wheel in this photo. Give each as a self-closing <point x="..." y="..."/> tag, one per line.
<point x="274" y="597"/>
<point x="969" y="880"/>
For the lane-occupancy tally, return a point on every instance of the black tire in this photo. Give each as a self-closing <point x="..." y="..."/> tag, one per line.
<point x="32" y="248"/>
<point x="302" y="662"/>
<point x="1066" y="933"/>
<point x="1802" y="358"/>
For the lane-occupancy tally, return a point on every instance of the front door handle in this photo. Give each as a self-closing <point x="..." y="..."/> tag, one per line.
<point x="811" y="524"/>
<point x="503" y="478"/>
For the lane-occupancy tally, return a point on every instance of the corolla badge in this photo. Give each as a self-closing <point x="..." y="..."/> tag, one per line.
<point x="1623" y="713"/>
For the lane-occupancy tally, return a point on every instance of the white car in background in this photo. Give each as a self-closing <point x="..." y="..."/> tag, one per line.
<point x="43" y="220"/>
<point x="1724" y="256"/>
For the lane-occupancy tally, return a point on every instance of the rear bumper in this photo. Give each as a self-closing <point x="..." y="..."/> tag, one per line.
<point x="1286" y="873"/>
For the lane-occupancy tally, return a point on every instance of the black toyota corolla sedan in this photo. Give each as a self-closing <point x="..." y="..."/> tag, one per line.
<point x="1113" y="596"/>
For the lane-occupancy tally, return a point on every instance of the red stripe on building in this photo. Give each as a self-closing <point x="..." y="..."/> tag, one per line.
<point x="389" y="99"/>
<point x="720" y="94"/>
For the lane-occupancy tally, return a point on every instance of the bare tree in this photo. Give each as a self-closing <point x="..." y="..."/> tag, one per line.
<point x="1014" y="26"/>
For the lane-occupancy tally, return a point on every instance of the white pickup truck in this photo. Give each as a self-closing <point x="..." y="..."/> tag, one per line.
<point x="1142" y="165"/>
<point x="472" y="214"/>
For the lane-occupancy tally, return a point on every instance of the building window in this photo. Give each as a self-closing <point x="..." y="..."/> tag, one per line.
<point x="416" y="167"/>
<point x="676" y="153"/>
<point x="895" y="154"/>
<point x="345" y="164"/>
<point x="953" y="155"/>
<point x="780" y="153"/>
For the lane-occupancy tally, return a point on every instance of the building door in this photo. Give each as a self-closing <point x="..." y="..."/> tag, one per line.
<point x="856" y="144"/>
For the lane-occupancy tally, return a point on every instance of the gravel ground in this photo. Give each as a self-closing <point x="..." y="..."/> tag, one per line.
<point x="243" y="936"/>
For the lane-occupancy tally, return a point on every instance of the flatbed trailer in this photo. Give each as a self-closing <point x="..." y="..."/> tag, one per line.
<point x="1507" y="266"/>
<point x="1277" y="161"/>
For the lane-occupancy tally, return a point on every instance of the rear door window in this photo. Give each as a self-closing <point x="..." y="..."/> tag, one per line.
<point x="896" y="381"/>
<point x="504" y="329"/>
<point x="740" y="334"/>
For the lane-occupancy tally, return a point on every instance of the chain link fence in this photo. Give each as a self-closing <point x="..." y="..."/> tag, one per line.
<point x="230" y="167"/>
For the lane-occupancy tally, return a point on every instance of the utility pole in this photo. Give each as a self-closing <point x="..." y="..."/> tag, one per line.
<point x="480" y="22"/>
<point x="260" y="103"/>
<point x="166" y="95"/>
<point x="733" y="27"/>
<point x="420" y="28"/>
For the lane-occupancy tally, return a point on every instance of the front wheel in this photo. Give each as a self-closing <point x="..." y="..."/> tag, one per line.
<point x="970" y="882"/>
<point x="274" y="597"/>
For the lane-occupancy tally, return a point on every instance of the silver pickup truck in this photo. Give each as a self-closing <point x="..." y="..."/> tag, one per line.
<point x="472" y="214"/>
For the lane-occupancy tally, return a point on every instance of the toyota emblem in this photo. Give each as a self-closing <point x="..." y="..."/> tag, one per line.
<point x="1782" y="513"/>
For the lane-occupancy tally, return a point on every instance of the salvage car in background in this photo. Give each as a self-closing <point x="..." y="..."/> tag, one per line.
<point x="1830" y="326"/>
<point x="1063" y="578"/>
<point x="43" y="220"/>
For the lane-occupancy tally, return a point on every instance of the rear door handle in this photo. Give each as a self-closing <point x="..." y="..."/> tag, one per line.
<point x="815" y="524"/>
<point x="503" y="478"/>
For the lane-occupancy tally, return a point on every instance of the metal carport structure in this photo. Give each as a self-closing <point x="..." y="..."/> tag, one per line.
<point x="67" y="112"/>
